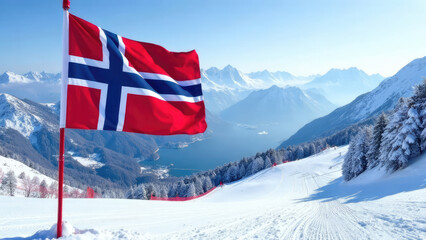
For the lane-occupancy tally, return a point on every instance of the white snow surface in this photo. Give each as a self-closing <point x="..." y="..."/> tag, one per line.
<point x="305" y="199"/>
<point x="92" y="161"/>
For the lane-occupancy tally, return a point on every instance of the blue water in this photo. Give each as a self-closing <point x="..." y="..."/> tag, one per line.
<point x="225" y="146"/>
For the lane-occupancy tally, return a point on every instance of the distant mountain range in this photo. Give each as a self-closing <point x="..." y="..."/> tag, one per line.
<point x="225" y="87"/>
<point x="341" y="86"/>
<point x="289" y="107"/>
<point x="10" y="77"/>
<point x="39" y="87"/>
<point x="222" y="87"/>
<point x="381" y="99"/>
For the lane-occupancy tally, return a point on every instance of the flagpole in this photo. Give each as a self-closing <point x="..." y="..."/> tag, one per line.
<point x="60" y="181"/>
<point x="65" y="6"/>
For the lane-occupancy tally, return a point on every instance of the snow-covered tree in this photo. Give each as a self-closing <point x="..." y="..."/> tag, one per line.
<point x="21" y="175"/>
<point x="268" y="162"/>
<point x="411" y="130"/>
<point x="419" y="103"/>
<point x="198" y="185"/>
<point x="1" y="175"/>
<point x="43" y="189"/>
<point x="374" y="146"/>
<point x="231" y="174"/>
<point x="190" y="191"/>
<point x="300" y="153"/>
<point x="207" y="183"/>
<point x="359" y="158"/>
<point x="392" y="154"/>
<point x="9" y="183"/>
<point x="28" y="185"/>
<point x="66" y="189"/>
<point x="347" y="166"/>
<point x="256" y="165"/>
<point x="75" y="193"/>
<point x="53" y="189"/>
<point x="241" y="170"/>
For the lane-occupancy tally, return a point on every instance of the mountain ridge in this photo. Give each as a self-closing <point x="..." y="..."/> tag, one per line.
<point x="380" y="99"/>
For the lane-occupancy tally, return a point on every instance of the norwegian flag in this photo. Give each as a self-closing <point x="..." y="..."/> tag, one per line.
<point x="114" y="83"/>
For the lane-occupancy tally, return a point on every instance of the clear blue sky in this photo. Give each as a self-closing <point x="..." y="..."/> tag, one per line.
<point x="302" y="37"/>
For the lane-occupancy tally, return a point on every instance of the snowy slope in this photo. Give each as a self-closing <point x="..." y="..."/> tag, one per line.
<point x="305" y="199"/>
<point x="382" y="98"/>
<point x="8" y="164"/>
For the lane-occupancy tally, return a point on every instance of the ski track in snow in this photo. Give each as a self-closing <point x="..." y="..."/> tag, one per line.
<point x="285" y="202"/>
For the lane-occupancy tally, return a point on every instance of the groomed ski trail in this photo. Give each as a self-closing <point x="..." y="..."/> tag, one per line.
<point x="304" y="199"/>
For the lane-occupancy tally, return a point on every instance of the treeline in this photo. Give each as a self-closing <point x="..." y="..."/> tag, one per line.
<point x="394" y="139"/>
<point x="200" y="183"/>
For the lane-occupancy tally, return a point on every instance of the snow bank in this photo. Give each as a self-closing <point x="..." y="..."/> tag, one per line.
<point x="71" y="233"/>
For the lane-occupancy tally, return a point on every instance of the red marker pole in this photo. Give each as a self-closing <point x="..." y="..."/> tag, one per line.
<point x="65" y="6"/>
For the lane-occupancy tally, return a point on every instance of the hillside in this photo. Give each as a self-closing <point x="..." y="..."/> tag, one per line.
<point x="380" y="99"/>
<point x="301" y="199"/>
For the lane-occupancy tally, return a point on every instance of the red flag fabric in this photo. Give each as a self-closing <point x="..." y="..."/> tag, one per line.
<point x="118" y="84"/>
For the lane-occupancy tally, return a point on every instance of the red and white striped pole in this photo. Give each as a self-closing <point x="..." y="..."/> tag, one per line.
<point x="65" y="6"/>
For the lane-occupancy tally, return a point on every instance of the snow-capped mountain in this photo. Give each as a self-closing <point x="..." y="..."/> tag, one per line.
<point x="36" y="86"/>
<point x="225" y="87"/>
<point x="272" y="78"/>
<point x="382" y="98"/>
<point x="289" y="107"/>
<point x="231" y="78"/>
<point x="43" y="77"/>
<point x="30" y="77"/>
<point x="23" y="117"/>
<point x="10" y="77"/>
<point x="280" y="78"/>
<point x="228" y="78"/>
<point x="341" y="86"/>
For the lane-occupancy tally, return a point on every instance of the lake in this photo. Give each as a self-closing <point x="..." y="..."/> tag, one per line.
<point x="226" y="145"/>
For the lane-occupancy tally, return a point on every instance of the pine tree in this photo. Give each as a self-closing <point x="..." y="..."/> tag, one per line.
<point x="374" y="148"/>
<point x="140" y="193"/>
<point x="347" y="170"/>
<point x="231" y="174"/>
<point x="256" y="165"/>
<point x="241" y="170"/>
<point x="190" y="191"/>
<point x="411" y="130"/>
<point x="359" y="158"/>
<point x="419" y="103"/>
<point x="207" y="183"/>
<point x="392" y="155"/>
<point x="268" y="162"/>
